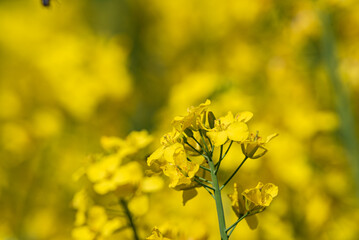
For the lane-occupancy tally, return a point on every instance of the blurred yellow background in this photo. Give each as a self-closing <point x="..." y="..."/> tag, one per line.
<point x="79" y="70"/>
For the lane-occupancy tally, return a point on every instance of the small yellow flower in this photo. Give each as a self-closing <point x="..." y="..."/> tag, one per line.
<point x="193" y="119"/>
<point x="229" y="127"/>
<point x="98" y="226"/>
<point x="180" y="178"/>
<point x="258" y="198"/>
<point x="171" y="158"/>
<point x="125" y="180"/>
<point x="250" y="147"/>
<point x="165" y="153"/>
<point x="237" y="202"/>
<point x="135" y="141"/>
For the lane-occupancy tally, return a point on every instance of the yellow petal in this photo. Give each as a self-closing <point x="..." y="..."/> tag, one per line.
<point x="155" y="156"/>
<point x="226" y="120"/>
<point x="253" y="196"/>
<point x="270" y="137"/>
<point x="244" y="116"/>
<point x="236" y="201"/>
<point x="218" y="138"/>
<point x="238" y="131"/>
<point x="269" y="191"/>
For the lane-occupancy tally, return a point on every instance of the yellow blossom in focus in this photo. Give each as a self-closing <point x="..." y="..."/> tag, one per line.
<point x="258" y="198"/>
<point x="237" y="203"/>
<point x="229" y="127"/>
<point x="165" y="153"/>
<point x="193" y="119"/>
<point x="250" y="147"/>
<point x="172" y="160"/>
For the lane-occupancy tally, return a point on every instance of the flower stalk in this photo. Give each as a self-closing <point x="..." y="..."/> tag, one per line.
<point x="218" y="200"/>
<point x="130" y="219"/>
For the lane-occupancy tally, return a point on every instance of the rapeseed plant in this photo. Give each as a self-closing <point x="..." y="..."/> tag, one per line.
<point x="187" y="158"/>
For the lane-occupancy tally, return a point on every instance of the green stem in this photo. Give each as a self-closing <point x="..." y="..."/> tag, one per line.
<point x="234" y="173"/>
<point x="220" y="157"/>
<point x="203" y="179"/>
<point x="229" y="147"/>
<point x="197" y="142"/>
<point x="341" y="96"/>
<point x="202" y="184"/>
<point x="130" y="219"/>
<point x="209" y="192"/>
<point x="218" y="200"/>
<point x="234" y="225"/>
<point x="194" y="149"/>
<point x="216" y="190"/>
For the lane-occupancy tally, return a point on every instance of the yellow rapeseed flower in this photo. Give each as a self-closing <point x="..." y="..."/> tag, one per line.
<point x="258" y="198"/>
<point x="253" y="143"/>
<point x="171" y="158"/>
<point x="229" y="127"/>
<point x="193" y="119"/>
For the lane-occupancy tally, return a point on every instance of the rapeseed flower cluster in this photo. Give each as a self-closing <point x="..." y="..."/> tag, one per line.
<point x="186" y="156"/>
<point x="115" y="193"/>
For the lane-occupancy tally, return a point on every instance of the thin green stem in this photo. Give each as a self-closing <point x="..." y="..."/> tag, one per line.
<point x="197" y="142"/>
<point x="220" y="156"/>
<point x="202" y="184"/>
<point x="218" y="164"/>
<point x="204" y="168"/>
<point x="230" y="145"/>
<point x="203" y="179"/>
<point x="234" y="225"/>
<point x="209" y="140"/>
<point x="210" y="192"/>
<point x="130" y="219"/>
<point x="205" y="145"/>
<point x="234" y="173"/>
<point x="194" y="149"/>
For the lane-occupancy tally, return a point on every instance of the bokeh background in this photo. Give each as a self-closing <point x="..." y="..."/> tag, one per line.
<point x="79" y="70"/>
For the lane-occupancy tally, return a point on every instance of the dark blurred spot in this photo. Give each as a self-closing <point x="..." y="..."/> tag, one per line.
<point x="46" y="3"/>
